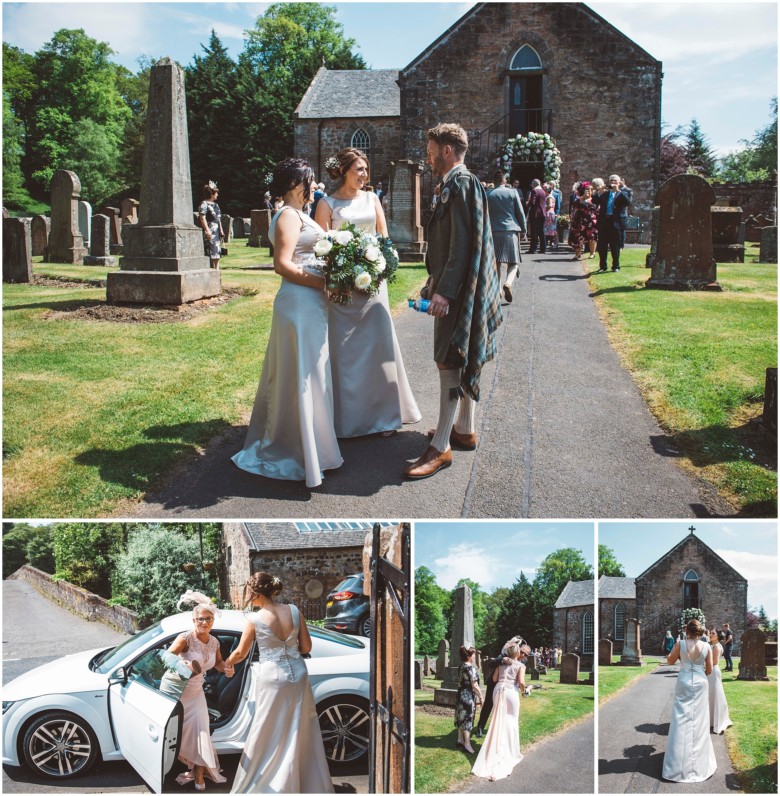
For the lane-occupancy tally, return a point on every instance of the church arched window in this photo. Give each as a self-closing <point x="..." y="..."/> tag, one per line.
<point x="525" y="58"/>
<point x="587" y="633"/>
<point x="361" y="141"/>
<point x="620" y="622"/>
<point x="691" y="576"/>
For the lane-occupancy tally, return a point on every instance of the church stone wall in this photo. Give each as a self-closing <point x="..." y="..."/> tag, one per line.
<point x="604" y="92"/>
<point x="567" y="632"/>
<point x="606" y="624"/>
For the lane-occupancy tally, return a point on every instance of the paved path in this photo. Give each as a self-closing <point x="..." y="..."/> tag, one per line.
<point x="633" y="727"/>
<point x="562" y="763"/>
<point x="563" y="432"/>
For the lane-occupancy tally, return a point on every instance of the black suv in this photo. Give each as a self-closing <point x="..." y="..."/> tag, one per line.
<point x="348" y="610"/>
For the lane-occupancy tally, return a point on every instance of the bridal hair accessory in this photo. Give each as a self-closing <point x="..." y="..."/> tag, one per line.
<point x="199" y="601"/>
<point x="276" y="581"/>
<point x="213" y="185"/>
<point x="333" y="163"/>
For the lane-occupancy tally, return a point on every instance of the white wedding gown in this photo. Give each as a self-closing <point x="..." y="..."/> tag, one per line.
<point x="719" y="709"/>
<point x="284" y="752"/>
<point x="689" y="756"/>
<point x="500" y="752"/>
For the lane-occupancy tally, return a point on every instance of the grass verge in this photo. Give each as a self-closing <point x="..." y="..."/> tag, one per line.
<point x="439" y="767"/>
<point x="613" y="679"/>
<point x="700" y="360"/>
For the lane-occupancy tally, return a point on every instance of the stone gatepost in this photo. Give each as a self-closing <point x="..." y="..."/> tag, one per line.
<point x="605" y="652"/>
<point x="726" y="233"/>
<point x="632" y="650"/>
<point x="403" y="211"/>
<point x="683" y="259"/>
<point x="66" y="243"/>
<point x="39" y="229"/>
<point x="17" y="250"/>
<point x="100" y="251"/>
<point x="570" y="669"/>
<point x="462" y="636"/>
<point x="164" y="261"/>
<point x="443" y="658"/>
<point x="752" y="662"/>
<point x="768" y="249"/>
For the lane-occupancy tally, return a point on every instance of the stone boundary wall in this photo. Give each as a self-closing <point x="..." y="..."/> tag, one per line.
<point x="90" y="606"/>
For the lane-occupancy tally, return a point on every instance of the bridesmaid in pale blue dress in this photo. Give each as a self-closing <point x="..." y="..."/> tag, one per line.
<point x="291" y="435"/>
<point x="371" y="391"/>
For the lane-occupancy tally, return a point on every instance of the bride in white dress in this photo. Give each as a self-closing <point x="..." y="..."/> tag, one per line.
<point x="371" y="390"/>
<point x="689" y="756"/>
<point x="500" y="752"/>
<point x="284" y="752"/>
<point x="719" y="709"/>
<point x="291" y="434"/>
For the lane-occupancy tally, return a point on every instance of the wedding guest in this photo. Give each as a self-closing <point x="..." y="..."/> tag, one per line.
<point x="380" y="191"/>
<point x="210" y="219"/>
<point x="463" y="291"/>
<point x="584" y="220"/>
<point x="537" y="200"/>
<point x="507" y="225"/>
<point x="319" y="192"/>
<point x="493" y="663"/>
<point x="612" y="220"/>
<point x="550" y="224"/>
<point x="267" y="201"/>
<point x="728" y="646"/>
<point x="719" y="709"/>
<point x="554" y="657"/>
<point x="689" y="756"/>
<point x="469" y="696"/>
<point x="667" y="645"/>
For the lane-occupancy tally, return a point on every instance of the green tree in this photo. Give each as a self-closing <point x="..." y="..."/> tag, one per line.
<point x="84" y="554"/>
<point x="494" y="604"/>
<point x="430" y="600"/>
<point x="15" y="539"/>
<point x="518" y="615"/>
<point x="608" y="563"/>
<point x="149" y="577"/>
<point x="40" y="549"/>
<point x="698" y="151"/>
<point x="134" y="90"/>
<point x="14" y="193"/>
<point x="757" y="160"/>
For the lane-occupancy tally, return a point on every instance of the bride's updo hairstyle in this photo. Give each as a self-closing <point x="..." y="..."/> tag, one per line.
<point x="694" y="629"/>
<point x="290" y="173"/>
<point x="513" y="651"/>
<point x="261" y="584"/>
<point x="341" y="162"/>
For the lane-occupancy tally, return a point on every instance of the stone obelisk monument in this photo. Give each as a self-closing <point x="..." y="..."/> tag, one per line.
<point x="164" y="260"/>
<point x="462" y="635"/>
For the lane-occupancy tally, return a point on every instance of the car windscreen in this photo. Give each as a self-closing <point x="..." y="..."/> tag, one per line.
<point x="336" y="638"/>
<point x="108" y="660"/>
<point x="352" y="583"/>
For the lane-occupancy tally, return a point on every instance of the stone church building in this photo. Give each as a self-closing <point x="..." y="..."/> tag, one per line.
<point x="502" y="69"/>
<point x="690" y="575"/>
<point x="574" y="621"/>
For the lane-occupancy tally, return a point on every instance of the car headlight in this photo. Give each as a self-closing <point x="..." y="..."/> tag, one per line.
<point x="6" y="705"/>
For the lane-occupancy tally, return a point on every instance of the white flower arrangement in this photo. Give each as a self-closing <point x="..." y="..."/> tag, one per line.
<point x="323" y="247"/>
<point x="532" y="147"/>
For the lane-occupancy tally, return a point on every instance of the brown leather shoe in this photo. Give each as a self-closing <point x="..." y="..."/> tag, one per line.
<point x="458" y="441"/>
<point x="429" y="463"/>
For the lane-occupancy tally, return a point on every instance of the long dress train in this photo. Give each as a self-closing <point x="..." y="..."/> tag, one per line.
<point x="719" y="709"/>
<point x="689" y="756"/>
<point x="284" y="752"/>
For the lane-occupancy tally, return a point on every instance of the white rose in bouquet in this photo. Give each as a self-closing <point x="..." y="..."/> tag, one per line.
<point x="381" y="264"/>
<point x="372" y="253"/>
<point x="395" y="253"/>
<point x="322" y="247"/>
<point x="362" y="280"/>
<point x="343" y="237"/>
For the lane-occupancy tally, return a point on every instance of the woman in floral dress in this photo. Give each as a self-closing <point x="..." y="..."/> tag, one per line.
<point x="210" y="219"/>
<point x="583" y="231"/>
<point x="469" y="696"/>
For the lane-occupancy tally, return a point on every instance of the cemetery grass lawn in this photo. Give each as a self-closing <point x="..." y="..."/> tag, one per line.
<point x="700" y="360"/>
<point x="97" y="412"/>
<point x="752" y="739"/>
<point x="440" y="767"/>
<point x="615" y="678"/>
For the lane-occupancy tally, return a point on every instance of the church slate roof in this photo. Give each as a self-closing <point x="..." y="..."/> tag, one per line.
<point x="617" y="588"/>
<point x="351" y="93"/>
<point x="285" y="536"/>
<point x="575" y="593"/>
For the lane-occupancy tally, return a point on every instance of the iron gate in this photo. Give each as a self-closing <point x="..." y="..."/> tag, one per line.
<point x="389" y="709"/>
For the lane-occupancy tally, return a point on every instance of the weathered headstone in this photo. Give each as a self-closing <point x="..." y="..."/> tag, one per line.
<point x="17" y="250"/>
<point x="6" y="214"/>
<point x="39" y="229"/>
<point x="130" y="211"/>
<point x="426" y="666"/>
<point x="632" y="648"/>
<point x="418" y="675"/>
<point x="655" y="220"/>
<point x="238" y="227"/>
<point x="443" y="658"/>
<point x="403" y="210"/>
<point x="115" y="227"/>
<point x="462" y="636"/>
<point x="66" y="243"/>
<point x="100" y="251"/>
<point x="85" y="221"/>
<point x="726" y="246"/>
<point x="605" y="652"/>
<point x="570" y="668"/>
<point x="260" y="224"/>
<point x="227" y="228"/>
<point x="768" y="249"/>
<point x="752" y="662"/>
<point x="683" y="258"/>
<point x="163" y="260"/>
<point x="530" y="667"/>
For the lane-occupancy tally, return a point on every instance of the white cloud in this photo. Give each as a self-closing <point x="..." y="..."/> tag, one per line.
<point x="466" y="560"/>
<point x="758" y="568"/>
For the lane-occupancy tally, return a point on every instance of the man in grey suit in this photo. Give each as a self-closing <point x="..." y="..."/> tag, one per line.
<point x="507" y="223"/>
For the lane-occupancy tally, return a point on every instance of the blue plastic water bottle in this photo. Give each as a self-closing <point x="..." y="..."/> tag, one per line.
<point x="420" y="304"/>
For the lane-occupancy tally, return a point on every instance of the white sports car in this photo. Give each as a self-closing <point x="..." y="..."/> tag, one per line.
<point x="62" y="717"/>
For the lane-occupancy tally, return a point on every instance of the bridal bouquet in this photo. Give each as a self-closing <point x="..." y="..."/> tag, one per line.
<point x="355" y="260"/>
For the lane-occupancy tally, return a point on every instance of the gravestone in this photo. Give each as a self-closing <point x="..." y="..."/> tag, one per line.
<point x="426" y="666"/>
<point x="227" y="228"/>
<point x="129" y="211"/>
<point x="654" y="222"/>
<point x="66" y="243"/>
<point x="39" y="230"/>
<point x="418" y="675"/>
<point x="6" y="214"/>
<point x="85" y="221"/>
<point x="100" y="251"/>
<point x="530" y="667"/>
<point x="753" y="226"/>
<point x="403" y="210"/>
<point x="17" y="250"/>
<point x="114" y="226"/>
<point x="163" y="260"/>
<point x="605" y="652"/>
<point x="238" y="228"/>
<point x="726" y="233"/>
<point x="632" y="648"/>
<point x="752" y="662"/>
<point x="443" y="658"/>
<point x="683" y="258"/>
<point x="769" y="415"/>
<point x="770" y="653"/>
<point x="258" y="233"/>
<point x="768" y="249"/>
<point x="462" y="636"/>
<point x="570" y="669"/>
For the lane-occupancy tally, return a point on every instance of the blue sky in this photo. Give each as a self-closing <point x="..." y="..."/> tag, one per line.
<point x="749" y="547"/>
<point x="719" y="58"/>
<point x="494" y="553"/>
